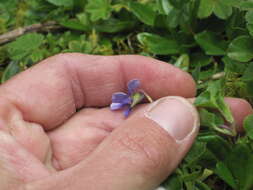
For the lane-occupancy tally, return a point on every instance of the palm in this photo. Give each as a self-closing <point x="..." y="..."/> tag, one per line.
<point x="60" y="148"/>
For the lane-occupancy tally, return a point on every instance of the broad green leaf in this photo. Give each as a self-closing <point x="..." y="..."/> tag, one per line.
<point x="213" y="98"/>
<point x="249" y="17"/>
<point x="211" y="44"/>
<point x="241" y="49"/>
<point x="206" y="8"/>
<point x="164" y="6"/>
<point x="246" y="5"/>
<point x="114" y="25"/>
<point x="183" y="62"/>
<point x="218" y="146"/>
<point x="197" y="150"/>
<point x="12" y="69"/>
<point x="248" y="126"/>
<point x="250" y="29"/>
<point x="210" y="119"/>
<point x="233" y="66"/>
<point x="174" y="182"/>
<point x="239" y="162"/>
<point x="66" y="3"/>
<point x="178" y="3"/>
<point x="99" y="9"/>
<point x="215" y="122"/>
<point x="235" y="3"/>
<point x="225" y="174"/>
<point x="220" y="8"/>
<point x="143" y="12"/>
<point x="74" y="24"/>
<point x="222" y="11"/>
<point x="83" y="18"/>
<point x="80" y="46"/>
<point x="24" y="45"/>
<point x="202" y="186"/>
<point x="164" y="47"/>
<point x="37" y="55"/>
<point x="248" y="74"/>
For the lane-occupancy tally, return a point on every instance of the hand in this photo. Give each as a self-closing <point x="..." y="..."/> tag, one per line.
<point x="46" y="144"/>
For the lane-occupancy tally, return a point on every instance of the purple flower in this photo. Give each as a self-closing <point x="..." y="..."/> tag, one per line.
<point x="121" y="100"/>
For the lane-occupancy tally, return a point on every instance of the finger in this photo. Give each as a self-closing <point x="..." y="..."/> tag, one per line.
<point x="240" y="109"/>
<point x="81" y="135"/>
<point x="139" y="154"/>
<point x="50" y="92"/>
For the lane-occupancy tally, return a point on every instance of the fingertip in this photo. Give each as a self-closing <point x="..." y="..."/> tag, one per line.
<point x="240" y="109"/>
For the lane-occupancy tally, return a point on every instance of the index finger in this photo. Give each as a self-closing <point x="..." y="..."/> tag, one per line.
<point x="50" y="92"/>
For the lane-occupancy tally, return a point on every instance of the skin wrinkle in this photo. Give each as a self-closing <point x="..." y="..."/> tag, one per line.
<point x="78" y="92"/>
<point x="72" y="100"/>
<point x="91" y="68"/>
<point x="134" y="146"/>
<point x="122" y="71"/>
<point x="107" y="82"/>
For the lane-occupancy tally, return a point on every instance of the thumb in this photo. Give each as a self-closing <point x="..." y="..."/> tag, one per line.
<point x="140" y="153"/>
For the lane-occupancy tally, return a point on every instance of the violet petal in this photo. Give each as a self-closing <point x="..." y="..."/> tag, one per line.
<point x="127" y="112"/>
<point x="116" y="106"/>
<point x="133" y="85"/>
<point x="119" y="97"/>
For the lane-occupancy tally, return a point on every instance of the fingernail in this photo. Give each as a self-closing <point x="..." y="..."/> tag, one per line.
<point x="176" y="115"/>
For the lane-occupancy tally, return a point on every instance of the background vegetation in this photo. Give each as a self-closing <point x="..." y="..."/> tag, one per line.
<point x="211" y="39"/>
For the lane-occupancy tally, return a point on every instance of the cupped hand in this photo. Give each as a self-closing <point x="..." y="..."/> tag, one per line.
<point x="57" y="132"/>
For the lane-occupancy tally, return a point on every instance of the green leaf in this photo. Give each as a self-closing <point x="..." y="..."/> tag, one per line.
<point x="24" y="45"/>
<point x="65" y="3"/>
<point x="74" y="24"/>
<point x="197" y="150"/>
<point x="246" y="5"/>
<point x="12" y="69"/>
<point x="248" y="126"/>
<point x="223" y="11"/>
<point x="234" y="3"/>
<point x="143" y="12"/>
<point x="183" y="62"/>
<point x="225" y="174"/>
<point x="213" y="98"/>
<point x="210" y="119"/>
<point x="239" y="162"/>
<point x="218" y="146"/>
<point x="211" y="44"/>
<point x="164" y="6"/>
<point x="248" y="74"/>
<point x="250" y="29"/>
<point x="206" y="8"/>
<point x="233" y="66"/>
<point x="99" y="9"/>
<point x="174" y="182"/>
<point x="215" y="121"/>
<point x="164" y="47"/>
<point x="249" y="17"/>
<point x="241" y="49"/>
<point x="114" y="25"/>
